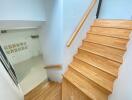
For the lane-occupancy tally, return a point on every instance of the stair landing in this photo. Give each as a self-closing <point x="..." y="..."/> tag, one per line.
<point x="45" y="91"/>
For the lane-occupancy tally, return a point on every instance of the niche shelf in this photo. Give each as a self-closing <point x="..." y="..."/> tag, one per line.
<point x="19" y="24"/>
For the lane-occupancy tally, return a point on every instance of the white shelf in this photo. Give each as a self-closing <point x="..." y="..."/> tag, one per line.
<point x="19" y="24"/>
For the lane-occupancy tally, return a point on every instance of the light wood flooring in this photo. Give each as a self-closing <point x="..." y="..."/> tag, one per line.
<point x="45" y="91"/>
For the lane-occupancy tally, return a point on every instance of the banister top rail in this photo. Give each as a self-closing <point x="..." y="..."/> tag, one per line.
<point x="81" y="23"/>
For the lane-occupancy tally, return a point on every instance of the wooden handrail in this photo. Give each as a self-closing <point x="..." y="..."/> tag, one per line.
<point x="53" y="66"/>
<point x="81" y="23"/>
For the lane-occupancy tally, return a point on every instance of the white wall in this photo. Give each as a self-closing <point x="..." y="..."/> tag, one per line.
<point x="123" y="85"/>
<point x="62" y="19"/>
<point x="116" y="9"/>
<point x="51" y="37"/>
<point x="17" y="37"/>
<point x="72" y="18"/>
<point x="8" y="90"/>
<point x="22" y="10"/>
<point x="73" y="12"/>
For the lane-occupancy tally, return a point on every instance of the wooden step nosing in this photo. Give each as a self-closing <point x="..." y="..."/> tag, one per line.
<point x="114" y="20"/>
<point x="105" y="45"/>
<point x="89" y="96"/>
<point x="99" y="68"/>
<point x="114" y="27"/>
<point x="110" y="27"/>
<point x="100" y="55"/>
<point x="106" y="35"/>
<point x="99" y="84"/>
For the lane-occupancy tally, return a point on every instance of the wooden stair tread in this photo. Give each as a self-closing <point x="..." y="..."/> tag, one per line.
<point x="71" y="92"/>
<point x="107" y="41"/>
<point x="124" y="24"/>
<point x="112" y="32"/>
<point x="104" y="51"/>
<point x="93" y="76"/>
<point x="99" y="62"/>
<point x="80" y="63"/>
<point x="82" y="84"/>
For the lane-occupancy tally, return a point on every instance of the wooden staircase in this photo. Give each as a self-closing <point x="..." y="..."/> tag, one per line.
<point x="95" y="67"/>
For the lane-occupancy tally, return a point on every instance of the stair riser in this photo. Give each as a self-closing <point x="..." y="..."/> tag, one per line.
<point x="74" y="80"/>
<point x="111" y="32"/>
<point x="86" y="54"/>
<point x="107" y="41"/>
<point x="109" y="53"/>
<point x="104" y="90"/>
<point x="114" y="24"/>
<point x="99" y="61"/>
<point x="71" y="92"/>
<point x="102" y="72"/>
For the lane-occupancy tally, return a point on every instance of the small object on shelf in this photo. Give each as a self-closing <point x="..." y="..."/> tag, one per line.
<point x="34" y="36"/>
<point x="3" y="31"/>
